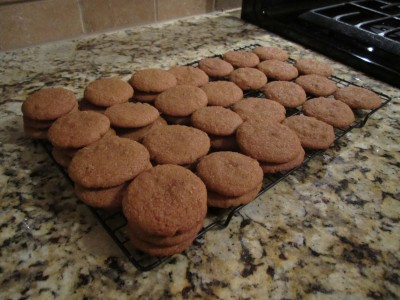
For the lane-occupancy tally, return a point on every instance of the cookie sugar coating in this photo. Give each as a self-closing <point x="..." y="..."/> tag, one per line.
<point x="131" y="115"/>
<point x="289" y="94"/>
<point x="216" y="120"/>
<point x="166" y="200"/>
<point x="222" y="93"/>
<point x="187" y="75"/>
<point x="109" y="162"/>
<point x="48" y="104"/>
<point x="78" y="129"/>
<point x="152" y="80"/>
<point x="331" y="111"/>
<point x="241" y="59"/>
<point x="108" y="91"/>
<point x="268" y="141"/>
<point x="278" y="70"/>
<point x="217" y="200"/>
<point x="176" y="144"/>
<point x="358" y="97"/>
<point x="317" y="85"/>
<point x="229" y="173"/>
<point x="215" y="67"/>
<point x="312" y="66"/>
<point x="248" y="78"/>
<point x="259" y="108"/>
<point x="265" y="53"/>
<point x="181" y="100"/>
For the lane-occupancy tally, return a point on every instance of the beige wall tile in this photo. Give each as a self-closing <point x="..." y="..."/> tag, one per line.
<point x="36" y="22"/>
<point x="227" y="4"/>
<point x="100" y="15"/>
<point x="172" y="9"/>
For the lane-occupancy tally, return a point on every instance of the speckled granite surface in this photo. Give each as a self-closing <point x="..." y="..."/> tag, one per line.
<point x="330" y="231"/>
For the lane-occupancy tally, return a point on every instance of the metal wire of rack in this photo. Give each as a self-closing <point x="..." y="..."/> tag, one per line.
<point x="116" y="224"/>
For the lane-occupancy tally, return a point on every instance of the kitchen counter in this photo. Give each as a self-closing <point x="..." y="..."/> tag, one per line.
<point x="331" y="230"/>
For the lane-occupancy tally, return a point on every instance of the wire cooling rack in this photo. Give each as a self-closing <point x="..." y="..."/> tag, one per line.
<point x="116" y="224"/>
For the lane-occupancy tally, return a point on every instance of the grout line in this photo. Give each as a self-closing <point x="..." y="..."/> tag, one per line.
<point x="83" y="26"/>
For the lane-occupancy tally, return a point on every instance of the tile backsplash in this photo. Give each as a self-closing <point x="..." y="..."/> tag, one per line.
<point x="25" y="23"/>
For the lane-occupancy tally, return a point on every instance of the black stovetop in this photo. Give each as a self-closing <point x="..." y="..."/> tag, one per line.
<point x="364" y="34"/>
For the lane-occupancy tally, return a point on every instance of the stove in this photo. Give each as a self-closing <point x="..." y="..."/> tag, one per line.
<point x="364" y="34"/>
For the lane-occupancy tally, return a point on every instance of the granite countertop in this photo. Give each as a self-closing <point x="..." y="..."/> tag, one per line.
<point x="331" y="230"/>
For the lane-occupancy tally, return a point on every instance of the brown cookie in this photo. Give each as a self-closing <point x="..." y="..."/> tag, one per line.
<point x="49" y="104"/>
<point x="160" y="251"/>
<point x="358" y="97"/>
<point x="181" y="100"/>
<point x="35" y="124"/>
<point x="266" y="53"/>
<point x="85" y="105"/>
<point x="78" y="129"/>
<point x="176" y="144"/>
<point x="224" y="143"/>
<point x="222" y="93"/>
<point x="241" y="59"/>
<point x="106" y="198"/>
<point x="40" y="134"/>
<point x="108" y="91"/>
<point x="275" y="168"/>
<point x="215" y="67"/>
<point x="163" y="241"/>
<point x="259" y="108"/>
<point x="187" y="75"/>
<point x="137" y="134"/>
<point x="165" y="201"/>
<point x="217" y="200"/>
<point x="317" y="85"/>
<point x="177" y="120"/>
<point x="216" y="120"/>
<point x="248" y="78"/>
<point x="145" y="97"/>
<point x="268" y="141"/>
<point x="152" y="80"/>
<point x="60" y="157"/>
<point x="313" y="134"/>
<point x="278" y="70"/>
<point x="331" y="111"/>
<point x="289" y="94"/>
<point x="109" y="162"/>
<point x="312" y="66"/>
<point x="131" y="115"/>
<point x="229" y="173"/>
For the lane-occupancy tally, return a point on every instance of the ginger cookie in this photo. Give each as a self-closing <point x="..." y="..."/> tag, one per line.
<point x="106" y="198"/>
<point x="289" y="94"/>
<point x="316" y="85"/>
<point x="109" y="162"/>
<point x="60" y="157"/>
<point x="181" y="100"/>
<point x="40" y="134"/>
<point x="216" y="120"/>
<point x="278" y="70"/>
<point x="187" y="75"/>
<point x="217" y="200"/>
<point x="331" y="111"/>
<point x="358" y="97"/>
<point x="248" y="78"/>
<point x="241" y="59"/>
<point x="267" y="53"/>
<point x="49" y="104"/>
<point x="85" y="105"/>
<point x="35" y="124"/>
<point x="137" y="134"/>
<point x="311" y="66"/>
<point x="165" y="201"/>
<point x="215" y="67"/>
<point x="152" y="80"/>
<point x="160" y="251"/>
<point x="222" y="93"/>
<point x="268" y="141"/>
<point x="131" y="115"/>
<point x="163" y="241"/>
<point x="313" y="134"/>
<point x="78" y="129"/>
<point x="224" y="143"/>
<point x="176" y="144"/>
<point x="145" y="97"/>
<point x="229" y="173"/>
<point x="275" y="168"/>
<point x="259" y="108"/>
<point x="108" y="91"/>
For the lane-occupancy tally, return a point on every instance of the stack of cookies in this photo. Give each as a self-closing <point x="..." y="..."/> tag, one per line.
<point x="231" y="178"/>
<point x="105" y="92"/>
<point x="165" y="208"/>
<point x="102" y="170"/>
<point x="74" y="131"/>
<point x="43" y="107"/>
